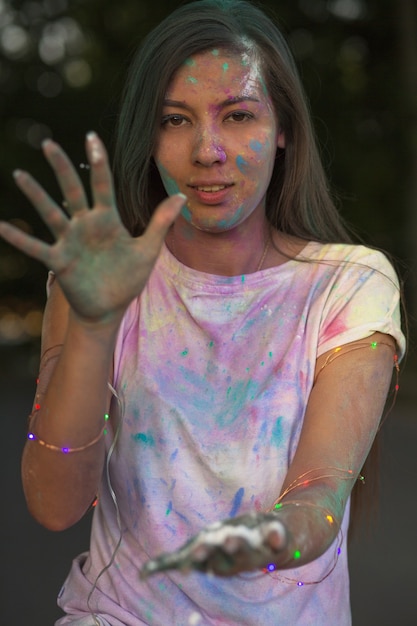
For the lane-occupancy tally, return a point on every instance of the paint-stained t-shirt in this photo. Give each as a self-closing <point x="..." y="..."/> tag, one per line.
<point x="213" y="375"/>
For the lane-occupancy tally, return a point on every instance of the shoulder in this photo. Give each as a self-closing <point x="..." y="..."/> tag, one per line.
<point x="333" y="253"/>
<point x="350" y="256"/>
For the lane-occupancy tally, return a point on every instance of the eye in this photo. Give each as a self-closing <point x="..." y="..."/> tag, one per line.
<point x="174" y="119"/>
<point x="239" y="116"/>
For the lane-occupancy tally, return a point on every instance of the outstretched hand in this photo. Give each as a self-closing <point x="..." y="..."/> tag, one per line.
<point x="101" y="268"/>
<point x="244" y="543"/>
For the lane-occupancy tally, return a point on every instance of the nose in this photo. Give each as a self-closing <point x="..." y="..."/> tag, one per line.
<point x="207" y="149"/>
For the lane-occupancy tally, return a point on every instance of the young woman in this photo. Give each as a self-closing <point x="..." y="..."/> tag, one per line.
<point x="216" y="353"/>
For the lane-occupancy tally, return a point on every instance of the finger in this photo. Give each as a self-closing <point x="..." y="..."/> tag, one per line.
<point x="232" y="544"/>
<point x="25" y="243"/>
<point x="275" y="536"/>
<point x="50" y="213"/>
<point x="221" y="563"/>
<point x="163" y="217"/>
<point x="200" y="553"/>
<point x="67" y="177"/>
<point x="101" y="176"/>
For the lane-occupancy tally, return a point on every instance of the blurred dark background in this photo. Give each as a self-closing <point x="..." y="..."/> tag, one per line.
<point x="62" y="66"/>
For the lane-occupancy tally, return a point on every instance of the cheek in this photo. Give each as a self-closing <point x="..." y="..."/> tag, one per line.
<point x="168" y="181"/>
<point x="264" y="153"/>
<point x="259" y="155"/>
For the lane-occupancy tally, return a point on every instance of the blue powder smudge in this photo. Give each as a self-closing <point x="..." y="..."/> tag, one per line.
<point x="191" y="79"/>
<point x="261" y="437"/>
<point x="237" y="396"/>
<point x="169" y="183"/>
<point x="147" y="439"/>
<point x="255" y="145"/>
<point x="230" y="222"/>
<point x="237" y="501"/>
<point x="186" y="213"/>
<point x="241" y="163"/>
<point x="263" y="85"/>
<point x="276" y="435"/>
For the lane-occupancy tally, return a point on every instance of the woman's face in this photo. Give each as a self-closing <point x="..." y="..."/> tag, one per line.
<point x="218" y="139"/>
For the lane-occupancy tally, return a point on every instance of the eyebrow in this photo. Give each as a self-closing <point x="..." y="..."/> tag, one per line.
<point x="229" y="101"/>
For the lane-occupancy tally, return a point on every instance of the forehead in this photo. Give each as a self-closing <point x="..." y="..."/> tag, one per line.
<point x="220" y="69"/>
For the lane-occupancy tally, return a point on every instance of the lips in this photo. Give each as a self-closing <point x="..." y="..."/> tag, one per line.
<point x="214" y="193"/>
<point x="210" y="188"/>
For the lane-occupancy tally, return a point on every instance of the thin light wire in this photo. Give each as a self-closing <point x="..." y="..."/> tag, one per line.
<point x="120" y="404"/>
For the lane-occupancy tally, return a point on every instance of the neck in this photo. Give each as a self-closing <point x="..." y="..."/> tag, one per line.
<point x="230" y="253"/>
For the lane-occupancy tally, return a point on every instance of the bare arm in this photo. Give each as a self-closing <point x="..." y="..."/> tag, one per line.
<point x="342" y="418"/>
<point x="99" y="270"/>
<point x="73" y="399"/>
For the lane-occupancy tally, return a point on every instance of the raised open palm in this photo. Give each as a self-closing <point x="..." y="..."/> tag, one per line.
<point x="99" y="265"/>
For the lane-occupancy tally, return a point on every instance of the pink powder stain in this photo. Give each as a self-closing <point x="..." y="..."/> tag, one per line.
<point x="335" y="328"/>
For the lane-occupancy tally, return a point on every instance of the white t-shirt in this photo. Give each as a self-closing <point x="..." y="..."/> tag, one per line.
<point x="215" y="373"/>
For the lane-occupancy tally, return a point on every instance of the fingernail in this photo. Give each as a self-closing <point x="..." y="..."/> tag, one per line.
<point x="182" y="195"/>
<point x="95" y="149"/>
<point x="16" y="173"/>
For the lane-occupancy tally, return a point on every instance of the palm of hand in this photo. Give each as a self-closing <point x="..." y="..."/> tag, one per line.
<point x="245" y="543"/>
<point x="99" y="265"/>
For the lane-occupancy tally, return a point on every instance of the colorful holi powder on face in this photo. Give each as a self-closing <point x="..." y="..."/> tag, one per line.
<point x="186" y="213"/>
<point x="233" y="220"/>
<point x="241" y="163"/>
<point x="184" y="352"/>
<point x="237" y="501"/>
<point x="255" y="145"/>
<point x="190" y="62"/>
<point x="263" y="85"/>
<point x="252" y="162"/>
<point x="169" y="183"/>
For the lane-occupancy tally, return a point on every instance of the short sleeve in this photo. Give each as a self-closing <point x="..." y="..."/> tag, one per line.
<point x="364" y="298"/>
<point x="130" y="319"/>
